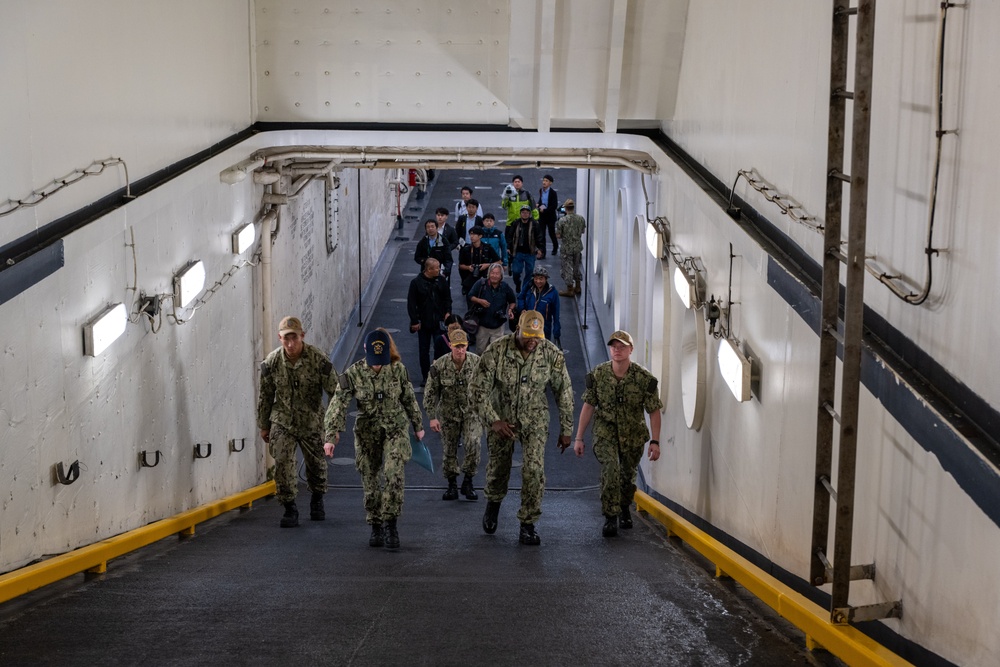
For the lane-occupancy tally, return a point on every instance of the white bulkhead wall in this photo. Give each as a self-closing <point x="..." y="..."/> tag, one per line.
<point x="186" y="384"/>
<point x="749" y="92"/>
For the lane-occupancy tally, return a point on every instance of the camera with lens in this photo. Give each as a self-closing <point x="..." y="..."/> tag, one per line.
<point x="509" y="192"/>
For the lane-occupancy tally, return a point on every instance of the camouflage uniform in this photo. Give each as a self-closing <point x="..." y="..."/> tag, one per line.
<point x="570" y="229"/>
<point x="620" y="430"/>
<point x="446" y="398"/>
<point x="290" y="406"/>
<point x="386" y="403"/>
<point x="509" y="387"/>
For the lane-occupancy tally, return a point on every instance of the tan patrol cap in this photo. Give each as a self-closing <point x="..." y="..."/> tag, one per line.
<point x="290" y="324"/>
<point x="458" y="337"/>
<point x="531" y="324"/>
<point x="621" y="336"/>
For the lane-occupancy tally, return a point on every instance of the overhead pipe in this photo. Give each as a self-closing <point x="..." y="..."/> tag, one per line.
<point x="238" y="172"/>
<point x="459" y="160"/>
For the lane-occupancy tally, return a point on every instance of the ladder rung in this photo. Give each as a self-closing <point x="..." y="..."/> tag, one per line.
<point x="825" y="481"/>
<point x="833" y="413"/>
<point x="856" y="572"/>
<point x="846" y="94"/>
<point x="838" y="253"/>
<point x="849" y="11"/>
<point x="832" y="331"/>
<point x="839" y="175"/>
<point x="868" y="612"/>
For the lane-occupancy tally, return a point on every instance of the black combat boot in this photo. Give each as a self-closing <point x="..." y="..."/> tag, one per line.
<point x="391" y="535"/>
<point x="376" y="539"/>
<point x="468" y="490"/>
<point x="316" y="510"/>
<point x="490" y="517"/>
<point x="610" y="526"/>
<point x="625" y="518"/>
<point x="291" y="518"/>
<point x="452" y="492"/>
<point x="528" y="535"/>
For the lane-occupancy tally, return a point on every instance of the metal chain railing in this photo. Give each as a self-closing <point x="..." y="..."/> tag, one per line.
<point x="209" y="292"/>
<point x="786" y="204"/>
<point x="38" y="196"/>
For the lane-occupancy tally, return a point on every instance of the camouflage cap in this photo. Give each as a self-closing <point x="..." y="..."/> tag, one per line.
<point x="377" y="348"/>
<point x="623" y="337"/>
<point x="458" y="337"/>
<point x="525" y="207"/>
<point x="290" y="324"/>
<point x="540" y="271"/>
<point x="531" y="324"/>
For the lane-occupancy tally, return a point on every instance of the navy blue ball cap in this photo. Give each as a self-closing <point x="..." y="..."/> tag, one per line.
<point x="377" y="348"/>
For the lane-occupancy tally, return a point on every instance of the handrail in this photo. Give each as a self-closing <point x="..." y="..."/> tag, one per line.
<point x="95" y="557"/>
<point x="845" y="641"/>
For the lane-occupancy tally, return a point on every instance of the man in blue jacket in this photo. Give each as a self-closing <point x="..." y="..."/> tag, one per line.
<point x="539" y="295"/>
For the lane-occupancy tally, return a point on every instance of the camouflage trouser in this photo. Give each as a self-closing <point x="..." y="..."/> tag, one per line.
<point x="532" y="471"/>
<point x="570" y="267"/>
<point x="619" y="467"/>
<point x="379" y="450"/>
<point x="471" y="434"/>
<point x="282" y="447"/>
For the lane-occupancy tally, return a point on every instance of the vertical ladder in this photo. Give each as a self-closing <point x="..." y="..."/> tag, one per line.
<point x="823" y="569"/>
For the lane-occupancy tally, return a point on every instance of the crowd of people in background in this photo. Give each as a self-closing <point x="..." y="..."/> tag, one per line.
<point x="499" y="389"/>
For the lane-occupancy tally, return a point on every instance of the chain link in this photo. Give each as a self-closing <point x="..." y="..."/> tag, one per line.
<point x="211" y="291"/>
<point x="38" y="196"/>
<point x="786" y="204"/>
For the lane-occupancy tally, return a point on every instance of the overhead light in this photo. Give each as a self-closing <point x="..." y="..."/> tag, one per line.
<point x="104" y="329"/>
<point x="244" y="237"/>
<point x="735" y="368"/>
<point x="189" y="283"/>
<point x="684" y="284"/>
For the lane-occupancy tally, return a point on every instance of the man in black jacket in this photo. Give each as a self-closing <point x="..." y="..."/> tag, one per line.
<point x="548" y="204"/>
<point x="428" y="303"/>
<point x="475" y="258"/>
<point x="525" y="241"/>
<point x="434" y="245"/>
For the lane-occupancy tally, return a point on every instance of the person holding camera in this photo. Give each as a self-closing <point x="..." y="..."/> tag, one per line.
<point x="492" y="301"/>
<point x="514" y="197"/>
<point x="474" y="259"/>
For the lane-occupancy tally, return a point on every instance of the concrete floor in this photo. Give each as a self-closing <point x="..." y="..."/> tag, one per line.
<point x="242" y="591"/>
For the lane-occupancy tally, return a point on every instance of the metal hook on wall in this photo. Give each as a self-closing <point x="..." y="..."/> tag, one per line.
<point x="74" y="472"/>
<point x="144" y="463"/>
<point x="198" y="454"/>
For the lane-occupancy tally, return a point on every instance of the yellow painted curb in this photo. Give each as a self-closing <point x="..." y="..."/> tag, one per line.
<point x="844" y="641"/>
<point x="95" y="557"/>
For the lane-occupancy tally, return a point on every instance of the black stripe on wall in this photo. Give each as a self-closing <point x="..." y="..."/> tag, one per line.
<point x="33" y="269"/>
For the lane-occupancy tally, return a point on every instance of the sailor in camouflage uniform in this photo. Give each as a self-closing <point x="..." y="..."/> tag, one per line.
<point x="508" y="389"/>
<point x="617" y="394"/>
<point x="446" y="402"/>
<point x="570" y="230"/>
<point x="386" y="404"/>
<point x="290" y="414"/>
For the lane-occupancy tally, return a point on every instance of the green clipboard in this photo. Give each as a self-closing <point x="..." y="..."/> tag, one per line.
<point x="421" y="455"/>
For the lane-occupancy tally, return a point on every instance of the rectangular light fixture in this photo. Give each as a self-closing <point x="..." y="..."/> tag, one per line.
<point x="684" y="285"/>
<point x="189" y="283"/>
<point x="735" y="369"/>
<point x="104" y="329"/>
<point x="243" y="238"/>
